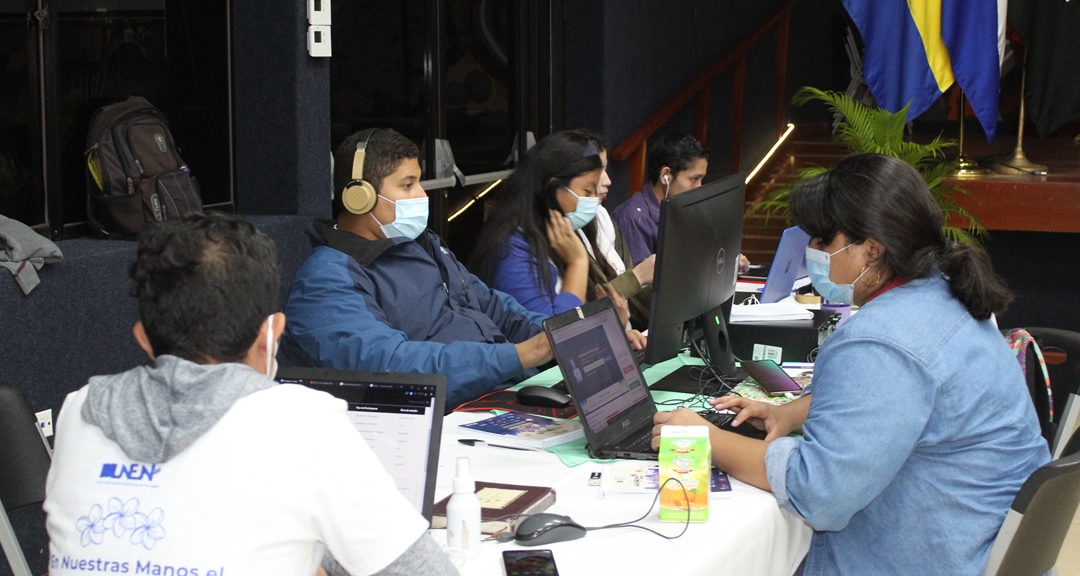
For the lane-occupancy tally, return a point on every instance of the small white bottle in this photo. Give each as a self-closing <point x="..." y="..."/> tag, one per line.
<point x="463" y="512"/>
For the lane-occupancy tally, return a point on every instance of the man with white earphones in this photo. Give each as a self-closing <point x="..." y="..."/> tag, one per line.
<point x="676" y="163"/>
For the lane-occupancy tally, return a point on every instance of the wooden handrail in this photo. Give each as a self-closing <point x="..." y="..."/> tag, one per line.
<point x="633" y="148"/>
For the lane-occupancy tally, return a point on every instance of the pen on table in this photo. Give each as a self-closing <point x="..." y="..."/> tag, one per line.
<point x="476" y="442"/>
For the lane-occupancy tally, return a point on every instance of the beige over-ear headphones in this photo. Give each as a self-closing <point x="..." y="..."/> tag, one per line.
<point x="359" y="196"/>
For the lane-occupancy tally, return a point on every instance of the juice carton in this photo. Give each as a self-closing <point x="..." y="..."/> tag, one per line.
<point x="685" y="455"/>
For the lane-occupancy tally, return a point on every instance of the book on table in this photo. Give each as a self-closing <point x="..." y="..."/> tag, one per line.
<point x="527" y="430"/>
<point x="498" y="500"/>
<point x="640" y="479"/>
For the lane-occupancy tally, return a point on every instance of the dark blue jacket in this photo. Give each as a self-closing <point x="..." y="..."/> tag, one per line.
<point x="399" y="305"/>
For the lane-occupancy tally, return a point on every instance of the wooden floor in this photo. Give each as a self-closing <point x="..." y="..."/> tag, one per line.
<point x="1049" y="203"/>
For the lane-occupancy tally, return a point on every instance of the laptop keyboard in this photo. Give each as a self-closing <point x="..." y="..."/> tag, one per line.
<point x="639" y="356"/>
<point x="718" y="419"/>
<point x="643" y="443"/>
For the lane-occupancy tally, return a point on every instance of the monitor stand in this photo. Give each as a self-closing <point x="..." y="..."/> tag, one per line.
<point x="709" y="331"/>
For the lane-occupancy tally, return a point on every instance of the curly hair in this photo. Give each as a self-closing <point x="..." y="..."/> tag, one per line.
<point x="205" y="284"/>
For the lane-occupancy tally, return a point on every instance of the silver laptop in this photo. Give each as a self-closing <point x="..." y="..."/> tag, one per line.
<point x="788" y="265"/>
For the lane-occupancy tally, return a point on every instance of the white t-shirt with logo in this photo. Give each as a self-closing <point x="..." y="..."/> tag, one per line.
<point x="281" y="477"/>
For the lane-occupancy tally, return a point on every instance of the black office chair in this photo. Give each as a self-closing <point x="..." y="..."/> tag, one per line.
<point x="24" y="463"/>
<point x="1034" y="530"/>
<point x="1061" y="348"/>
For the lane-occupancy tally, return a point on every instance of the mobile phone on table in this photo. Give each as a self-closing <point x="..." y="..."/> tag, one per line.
<point x="529" y="563"/>
<point x="771" y="378"/>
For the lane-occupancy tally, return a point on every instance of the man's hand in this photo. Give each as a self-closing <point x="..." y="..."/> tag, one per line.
<point x="534" y="351"/>
<point x="680" y="417"/>
<point x="744" y="264"/>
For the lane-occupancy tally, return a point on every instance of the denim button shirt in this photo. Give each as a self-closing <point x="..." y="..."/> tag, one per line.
<point x="919" y="435"/>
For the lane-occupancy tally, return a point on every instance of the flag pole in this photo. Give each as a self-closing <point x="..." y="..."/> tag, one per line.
<point x="1018" y="163"/>
<point x="965" y="166"/>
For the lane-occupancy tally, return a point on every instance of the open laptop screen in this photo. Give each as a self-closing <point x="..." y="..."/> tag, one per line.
<point x="400" y="417"/>
<point x="788" y="264"/>
<point x="594" y="354"/>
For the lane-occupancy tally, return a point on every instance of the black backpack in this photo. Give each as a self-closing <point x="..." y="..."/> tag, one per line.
<point x="134" y="173"/>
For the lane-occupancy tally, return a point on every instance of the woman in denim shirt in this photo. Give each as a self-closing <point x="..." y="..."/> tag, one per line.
<point x="919" y="430"/>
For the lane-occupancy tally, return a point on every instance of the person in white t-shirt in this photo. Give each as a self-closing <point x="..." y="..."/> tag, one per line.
<point x="202" y="465"/>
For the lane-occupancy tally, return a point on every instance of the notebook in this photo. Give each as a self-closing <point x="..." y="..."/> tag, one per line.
<point x="606" y="384"/>
<point x="400" y="416"/>
<point x="788" y="264"/>
<point x="528" y="430"/>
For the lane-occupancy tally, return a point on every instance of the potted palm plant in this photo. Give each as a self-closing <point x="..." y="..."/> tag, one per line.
<point x="865" y="129"/>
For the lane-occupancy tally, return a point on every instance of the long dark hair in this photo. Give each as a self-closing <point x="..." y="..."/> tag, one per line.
<point x="523" y="206"/>
<point x="884" y="198"/>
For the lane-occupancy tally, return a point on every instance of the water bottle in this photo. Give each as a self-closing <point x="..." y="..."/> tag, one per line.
<point x="463" y="511"/>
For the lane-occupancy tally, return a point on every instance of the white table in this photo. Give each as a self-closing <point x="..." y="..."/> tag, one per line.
<point x="747" y="534"/>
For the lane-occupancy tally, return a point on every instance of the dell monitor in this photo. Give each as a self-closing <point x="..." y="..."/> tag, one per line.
<point x="697" y="263"/>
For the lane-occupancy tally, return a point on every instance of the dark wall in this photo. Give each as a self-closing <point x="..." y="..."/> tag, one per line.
<point x="1038" y="267"/>
<point x="281" y="111"/>
<point x="631" y="56"/>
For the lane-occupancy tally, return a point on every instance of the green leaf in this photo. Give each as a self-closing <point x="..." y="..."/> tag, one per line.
<point x="873" y="130"/>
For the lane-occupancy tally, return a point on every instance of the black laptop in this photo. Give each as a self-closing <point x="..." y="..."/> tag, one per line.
<point x="400" y="416"/>
<point x="606" y="384"/>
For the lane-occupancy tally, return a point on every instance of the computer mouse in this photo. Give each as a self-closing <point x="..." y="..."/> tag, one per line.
<point x="544" y="528"/>
<point x="542" y="396"/>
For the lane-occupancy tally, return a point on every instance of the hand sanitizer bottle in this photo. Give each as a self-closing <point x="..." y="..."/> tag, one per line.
<point x="463" y="512"/>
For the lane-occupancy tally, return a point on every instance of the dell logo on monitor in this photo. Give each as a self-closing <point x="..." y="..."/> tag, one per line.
<point x="721" y="259"/>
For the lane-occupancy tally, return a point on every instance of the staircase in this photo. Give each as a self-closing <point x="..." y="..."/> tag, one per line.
<point x="808" y="146"/>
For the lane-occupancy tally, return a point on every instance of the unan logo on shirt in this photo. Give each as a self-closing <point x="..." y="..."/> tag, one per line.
<point x="130" y="471"/>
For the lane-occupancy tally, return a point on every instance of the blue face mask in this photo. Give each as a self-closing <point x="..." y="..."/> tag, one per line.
<point x="817" y="266"/>
<point x="585" y="211"/>
<point x="410" y="218"/>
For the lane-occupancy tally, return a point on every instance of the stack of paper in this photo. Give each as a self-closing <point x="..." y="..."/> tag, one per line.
<point x="777" y="312"/>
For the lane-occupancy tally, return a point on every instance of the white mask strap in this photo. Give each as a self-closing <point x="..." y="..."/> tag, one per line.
<point x="269" y="345"/>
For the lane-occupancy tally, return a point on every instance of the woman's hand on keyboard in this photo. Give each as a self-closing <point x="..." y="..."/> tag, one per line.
<point x="776" y="421"/>
<point x="680" y="417"/>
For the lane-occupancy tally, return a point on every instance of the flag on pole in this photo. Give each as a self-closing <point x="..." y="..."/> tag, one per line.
<point x="916" y="49"/>
<point x="1051" y="33"/>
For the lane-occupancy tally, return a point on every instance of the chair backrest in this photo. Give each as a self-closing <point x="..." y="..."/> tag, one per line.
<point x="1034" y="530"/>
<point x="24" y="464"/>
<point x="1072" y="446"/>
<point x="24" y="459"/>
<point x="1037" y="378"/>
<point x="1061" y="348"/>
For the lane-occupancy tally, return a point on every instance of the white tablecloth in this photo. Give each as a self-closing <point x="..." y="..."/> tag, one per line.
<point x="747" y="534"/>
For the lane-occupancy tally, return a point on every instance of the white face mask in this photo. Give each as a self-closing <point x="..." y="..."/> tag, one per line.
<point x="818" y="267"/>
<point x="410" y="218"/>
<point x="585" y="211"/>
<point x="271" y="356"/>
